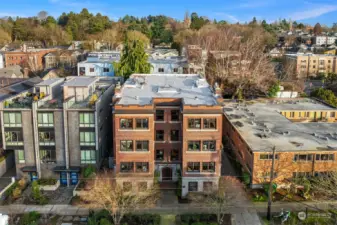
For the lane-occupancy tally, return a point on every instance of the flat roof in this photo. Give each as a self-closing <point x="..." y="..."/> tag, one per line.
<point x="50" y="81"/>
<point x="262" y="126"/>
<point x="80" y="81"/>
<point x="171" y="60"/>
<point x="140" y="89"/>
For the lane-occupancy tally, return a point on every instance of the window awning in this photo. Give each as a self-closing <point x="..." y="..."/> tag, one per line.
<point x="64" y="169"/>
<point x="28" y="169"/>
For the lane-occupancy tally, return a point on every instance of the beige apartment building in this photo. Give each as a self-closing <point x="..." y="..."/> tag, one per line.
<point x="311" y="64"/>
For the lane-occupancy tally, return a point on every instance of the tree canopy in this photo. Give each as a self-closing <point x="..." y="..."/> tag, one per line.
<point x="134" y="59"/>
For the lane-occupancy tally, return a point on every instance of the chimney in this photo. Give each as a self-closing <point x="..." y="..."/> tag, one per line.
<point x="25" y="72"/>
<point x="218" y="90"/>
<point x="24" y="48"/>
<point x="117" y="93"/>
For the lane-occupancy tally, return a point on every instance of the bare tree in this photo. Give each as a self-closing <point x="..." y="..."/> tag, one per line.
<point x="31" y="62"/>
<point x="110" y="36"/>
<point x="219" y="199"/>
<point x="119" y="201"/>
<point x="325" y="185"/>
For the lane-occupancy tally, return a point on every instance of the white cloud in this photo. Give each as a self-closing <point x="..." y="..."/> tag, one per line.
<point x="227" y="16"/>
<point x="314" y="12"/>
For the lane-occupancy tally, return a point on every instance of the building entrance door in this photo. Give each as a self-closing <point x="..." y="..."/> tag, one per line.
<point x="166" y="174"/>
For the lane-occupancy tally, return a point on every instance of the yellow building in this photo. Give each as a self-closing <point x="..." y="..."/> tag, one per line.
<point x="307" y="65"/>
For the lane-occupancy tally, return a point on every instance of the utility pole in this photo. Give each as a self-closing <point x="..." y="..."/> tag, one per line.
<point x="271" y="185"/>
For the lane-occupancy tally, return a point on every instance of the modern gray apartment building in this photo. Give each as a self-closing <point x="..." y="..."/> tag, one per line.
<point x="57" y="126"/>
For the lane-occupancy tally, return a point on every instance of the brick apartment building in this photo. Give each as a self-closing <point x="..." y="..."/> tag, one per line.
<point x="302" y="131"/>
<point x="21" y="57"/>
<point x="57" y="126"/>
<point x="165" y="125"/>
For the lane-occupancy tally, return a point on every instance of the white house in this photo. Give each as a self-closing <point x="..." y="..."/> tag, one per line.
<point x="275" y="53"/>
<point x="162" y="53"/>
<point x="170" y="65"/>
<point x="324" y="40"/>
<point x="98" y="64"/>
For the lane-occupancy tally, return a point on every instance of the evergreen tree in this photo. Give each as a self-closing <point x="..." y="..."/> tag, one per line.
<point x="134" y="60"/>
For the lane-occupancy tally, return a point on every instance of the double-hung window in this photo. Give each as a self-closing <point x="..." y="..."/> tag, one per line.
<point x="194" y="123"/>
<point x="126" y="124"/>
<point x="208" y="167"/>
<point x="142" y="124"/>
<point x="210" y="123"/>
<point x="208" y="146"/>
<point x="126" y="167"/>
<point x="193" y="145"/>
<point x="142" y="167"/>
<point x="193" y="167"/>
<point x="142" y="146"/>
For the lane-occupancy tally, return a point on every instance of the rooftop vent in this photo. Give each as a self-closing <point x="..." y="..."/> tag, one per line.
<point x="296" y="143"/>
<point x="201" y="83"/>
<point x="262" y="135"/>
<point x="286" y="133"/>
<point x="251" y="123"/>
<point x="238" y="124"/>
<point x="167" y="90"/>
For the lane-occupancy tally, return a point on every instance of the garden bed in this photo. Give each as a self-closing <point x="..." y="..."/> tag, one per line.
<point x="49" y="184"/>
<point x="201" y="219"/>
<point x="103" y="217"/>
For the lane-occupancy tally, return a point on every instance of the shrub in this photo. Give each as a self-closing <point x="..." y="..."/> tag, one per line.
<point x="266" y="188"/>
<point x="105" y="221"/>
<point x="272" y="92"/>
<point x="37" y="195"/>
<point x="30" y="218"/>
<point x="10" y="190"/>
<point x="246" y="178"/>
<point x="89" y="171"/>
<point x="22" y="183"/>
<point x="325" y="95"/>
<point x="16" y="193"/>
<point x="260" y="198"/>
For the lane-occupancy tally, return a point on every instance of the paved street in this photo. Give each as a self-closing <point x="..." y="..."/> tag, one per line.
<point x="243" y="214"/>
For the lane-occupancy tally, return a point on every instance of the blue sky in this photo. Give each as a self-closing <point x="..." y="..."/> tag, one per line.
<point x="312" y="11"/>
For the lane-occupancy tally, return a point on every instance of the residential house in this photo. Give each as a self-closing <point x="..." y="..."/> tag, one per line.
<point x="197" y="58"/>
<point x="169" y="65"/>
<point x="12" y="72"/>
<point x="160" y="53"/>
<point x="324" y="40"/>
<point x="98" y="64"/>
<point x="275" y="53"/>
